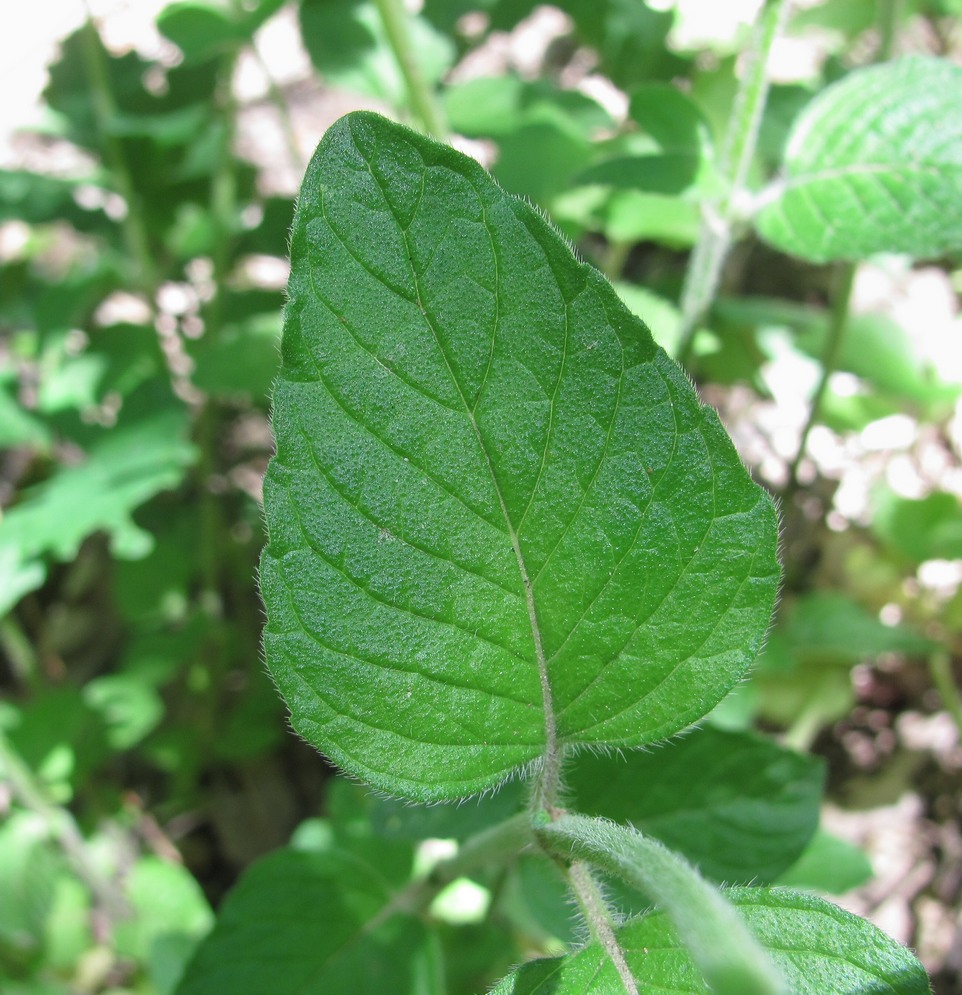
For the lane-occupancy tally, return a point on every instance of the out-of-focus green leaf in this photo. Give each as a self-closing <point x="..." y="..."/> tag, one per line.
<point x="829" y="628"/>
<point x="805" y="664"/>
<point x="395" y="819"/>
<point x="170" y="917"/>
<point x="537" y="900"/>
<point x="19" y="427"/>
<point x="676" y="150"/>
<point x="874" y="164"/>
<point x="128" y="466"/>
<point x="538" y="159"/>
<point x="660" y="315"/>
<point x="130" y="707"/>
<point x="39" y="199"/>
<point x="543" y="132"/>
<point x="828" y="864"/>
<point x="62" y="739"/>
<point x="880" y="351"/>
<point x="633" y="216"/>
<point x="629" y="37"/>
<point x="242" y="360"/>
<point x="348" y="46"/>
<point x="300" y="921"/>
<point x="927" y="528"/>
<point x="738" y="806"/>
<point x="29" y="868"/>
<point x="203" y="29"/>
<point x="496" y="106"/>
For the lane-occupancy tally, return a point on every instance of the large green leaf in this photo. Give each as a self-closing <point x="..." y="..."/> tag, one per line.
<point x="818" y="948"/>
<point x="497" y="510"/>
<point x="874" y="164"/>
<point x="310" y="922"/>
<point x="739" y="806"/>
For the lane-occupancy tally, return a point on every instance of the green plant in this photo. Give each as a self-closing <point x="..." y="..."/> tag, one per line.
<point x="493" y="510"/>
<point x="143" y="756"/>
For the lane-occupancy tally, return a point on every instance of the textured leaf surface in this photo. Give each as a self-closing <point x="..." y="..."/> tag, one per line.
<point x="306" y="922"/>
<point x="495" y="504"/>
<point x="818" y="948"/>
<point x="739" y="806"/>
<point x="874" y="164"/>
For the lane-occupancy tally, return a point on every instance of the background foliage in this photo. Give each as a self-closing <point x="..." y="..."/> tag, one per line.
<point x="145" y="756"/>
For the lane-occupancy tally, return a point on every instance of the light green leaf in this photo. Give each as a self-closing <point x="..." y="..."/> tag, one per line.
<point x="498" y="512"/>
<point x="127" y="467"/>
<point x="673" y="152"/>
<point x="169" y="917"/>
<point x="349" y="48"/>
<point x="308" y="922"/>
<point x="874" y="164"/>
<point x="928" y="528"/>
<point x="829" y="864"/>
<point x="202" y="29"/>
<point x="816" y="946"/>
<point x="737" y="805"/>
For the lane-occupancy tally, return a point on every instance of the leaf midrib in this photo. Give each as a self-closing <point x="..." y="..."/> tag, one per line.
<point x="551" y="750"/>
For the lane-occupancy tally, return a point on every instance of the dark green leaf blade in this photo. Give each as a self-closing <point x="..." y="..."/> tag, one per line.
<point x="874" y="164"/>
<point x="495" y="504"/>
<point x="739" y="806"/>
<point x="307" y="922"/>
<point x="818" y="948"/>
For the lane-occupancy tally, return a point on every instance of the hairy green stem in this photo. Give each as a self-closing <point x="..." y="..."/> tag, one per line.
<point x="940" y="669"/>
<point x="420" y="95"/>
<point x="841" y="297"/>
<point x="719" y="943"/>
<point x="600" y="924"/>
<point x="715" y="236"/>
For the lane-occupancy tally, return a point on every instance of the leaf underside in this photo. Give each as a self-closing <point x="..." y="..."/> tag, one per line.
<point x="495" y="505"/>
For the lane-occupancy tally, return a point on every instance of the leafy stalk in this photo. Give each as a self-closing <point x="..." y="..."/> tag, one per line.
<point x="720" y="944"/>
<point x="715" y="236"/>
<point x="420" y="95"/>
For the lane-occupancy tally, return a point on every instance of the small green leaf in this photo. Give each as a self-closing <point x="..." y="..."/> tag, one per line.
<point x="829" y="864"/>
<point x="348" y="45"/>
<point x="737" y="805"/>
<point x="494" y="502"/>
<point x="675" y="145"/>
<point x="927" y="528"/>
<point x="309" y="922"/>
<point x="202" y="29"/>
<point x="127" y="467"/>
<point x="818" y="948"/>
<point x="874" y="164"/>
